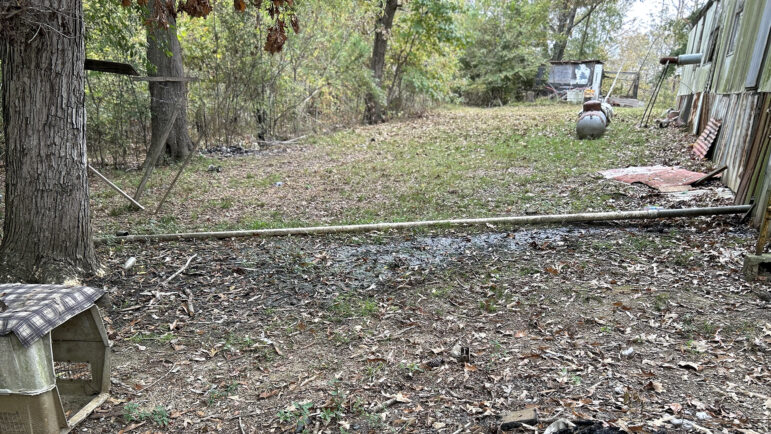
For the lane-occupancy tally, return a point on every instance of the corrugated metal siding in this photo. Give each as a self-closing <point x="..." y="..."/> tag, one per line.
<point x="738" y="113"/>
<point x="762" y="182"/>
<point x="694" y="77"/>
<point x="765" y="81"/>
<point x="733" y="71"/>
<point x="759" y="149"/>
<point x="686" y="76"/>
<point x="744" y="142"/>
<point x="759" y="50"/>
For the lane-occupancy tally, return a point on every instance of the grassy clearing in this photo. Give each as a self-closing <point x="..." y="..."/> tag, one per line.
<point x="453" y="163"/>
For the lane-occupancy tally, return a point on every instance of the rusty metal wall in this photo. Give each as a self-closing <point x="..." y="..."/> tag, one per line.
<point x="738" y="113"/>
<point x="718" y="90"/>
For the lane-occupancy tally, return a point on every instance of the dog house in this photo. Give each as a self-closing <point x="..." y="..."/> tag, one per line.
<point x="54" y="358"/>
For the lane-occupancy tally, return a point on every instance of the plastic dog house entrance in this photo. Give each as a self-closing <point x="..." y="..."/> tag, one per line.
<point x="57" y="381"/>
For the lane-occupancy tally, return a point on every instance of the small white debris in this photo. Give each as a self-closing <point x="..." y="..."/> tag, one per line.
<point x="627" y="352"/>
<point x="129" y="263"/>
<point x="703" y="415"/>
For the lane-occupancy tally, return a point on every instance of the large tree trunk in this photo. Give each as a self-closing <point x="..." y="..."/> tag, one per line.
<point x="373" y="110"/>
<point x="47" y="227"/>
<point x="168" y="96"/>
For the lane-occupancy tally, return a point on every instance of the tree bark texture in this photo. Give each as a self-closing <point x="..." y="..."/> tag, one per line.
<point x="47" y="226"/>
<point x="166" y="96"/>
<point x="373" y="110"/>
<point x="565" y="18"/>
<point x="566" y="22"/>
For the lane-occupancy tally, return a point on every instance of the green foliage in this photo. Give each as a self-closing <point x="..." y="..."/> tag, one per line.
<point x="317" y="79"/>
<point x="158" y="415"/>
<point x="296" y="413"/>
<point x="422" y="52"/>
<point x="118" y="108"/>
<point x="507" y="43"/>
<point x="217" y="393"/>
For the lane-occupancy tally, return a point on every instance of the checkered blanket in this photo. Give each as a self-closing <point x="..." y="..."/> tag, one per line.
<point x="31" y="311"/>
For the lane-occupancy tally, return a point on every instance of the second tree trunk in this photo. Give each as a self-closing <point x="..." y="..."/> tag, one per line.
<point x="164" y="52"/>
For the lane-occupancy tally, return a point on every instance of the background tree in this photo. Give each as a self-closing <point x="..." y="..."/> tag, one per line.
<point x="567" y="15"/>
<point x="598" y="32"/>
<point x="507" y="44"/>
<point x="165" y="55"/>
<point x="425" y="33"/>
<point x="641" y="41"/>
<point x="373" y="111"/>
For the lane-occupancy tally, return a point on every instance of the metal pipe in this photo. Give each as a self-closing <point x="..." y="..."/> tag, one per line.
<point x="683" y="59"/>
<point x="511" y="220"/>
<point x="689" y="59"/>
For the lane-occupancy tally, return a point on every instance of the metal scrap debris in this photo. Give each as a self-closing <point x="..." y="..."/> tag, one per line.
<point x="662" y="178"/>
<point x="707" y="138"/>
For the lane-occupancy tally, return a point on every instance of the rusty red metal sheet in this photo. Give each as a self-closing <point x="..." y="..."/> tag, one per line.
<point x="662" y="178"/>
<point x="707" y="138"/>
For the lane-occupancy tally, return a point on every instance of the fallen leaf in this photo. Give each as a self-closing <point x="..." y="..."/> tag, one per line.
<point x="268" y="394"/>
<point x="399" y="397"/>
<point x="690" y="365"/>
<point x="655" y="386"/>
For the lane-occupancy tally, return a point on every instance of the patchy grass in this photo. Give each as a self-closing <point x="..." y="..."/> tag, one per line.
<point x="358" y="333"/>
<point x="453" y="163"/>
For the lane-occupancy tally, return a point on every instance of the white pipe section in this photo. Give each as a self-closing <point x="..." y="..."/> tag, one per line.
<point x="512" y="220"/>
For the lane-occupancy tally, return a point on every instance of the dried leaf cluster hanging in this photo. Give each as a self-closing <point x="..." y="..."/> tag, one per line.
<point x="279" y="11"/>
<point x="195" y="8"/>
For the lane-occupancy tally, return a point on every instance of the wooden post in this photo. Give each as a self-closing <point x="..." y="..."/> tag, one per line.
<point x="115" y="187"/>
<point x="174" y="181"/>
<point x="763" y="234"/>
<point x="156" y="149"/>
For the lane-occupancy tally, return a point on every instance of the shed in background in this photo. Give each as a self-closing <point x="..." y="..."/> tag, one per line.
<point x="576" y="75"/>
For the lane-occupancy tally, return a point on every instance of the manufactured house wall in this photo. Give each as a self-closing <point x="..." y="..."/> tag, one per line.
<point x="738" y="112"/>
<point x="765" y="81"/>
<point x="733" y="66"/>
<point x="719" y="89"/>
<point x="686" y="75"/>
<point x="694" y="77"/>
<point x="764" y="84"/>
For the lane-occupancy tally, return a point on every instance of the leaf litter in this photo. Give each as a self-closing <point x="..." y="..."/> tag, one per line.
<point x="356" y="331"/>
<point x="644" y="327"/>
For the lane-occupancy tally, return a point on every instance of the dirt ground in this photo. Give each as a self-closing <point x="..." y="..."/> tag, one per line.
<point x="645" y="327"/>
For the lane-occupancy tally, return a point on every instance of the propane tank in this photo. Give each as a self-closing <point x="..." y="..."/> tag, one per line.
<point x="593" y="119"/>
